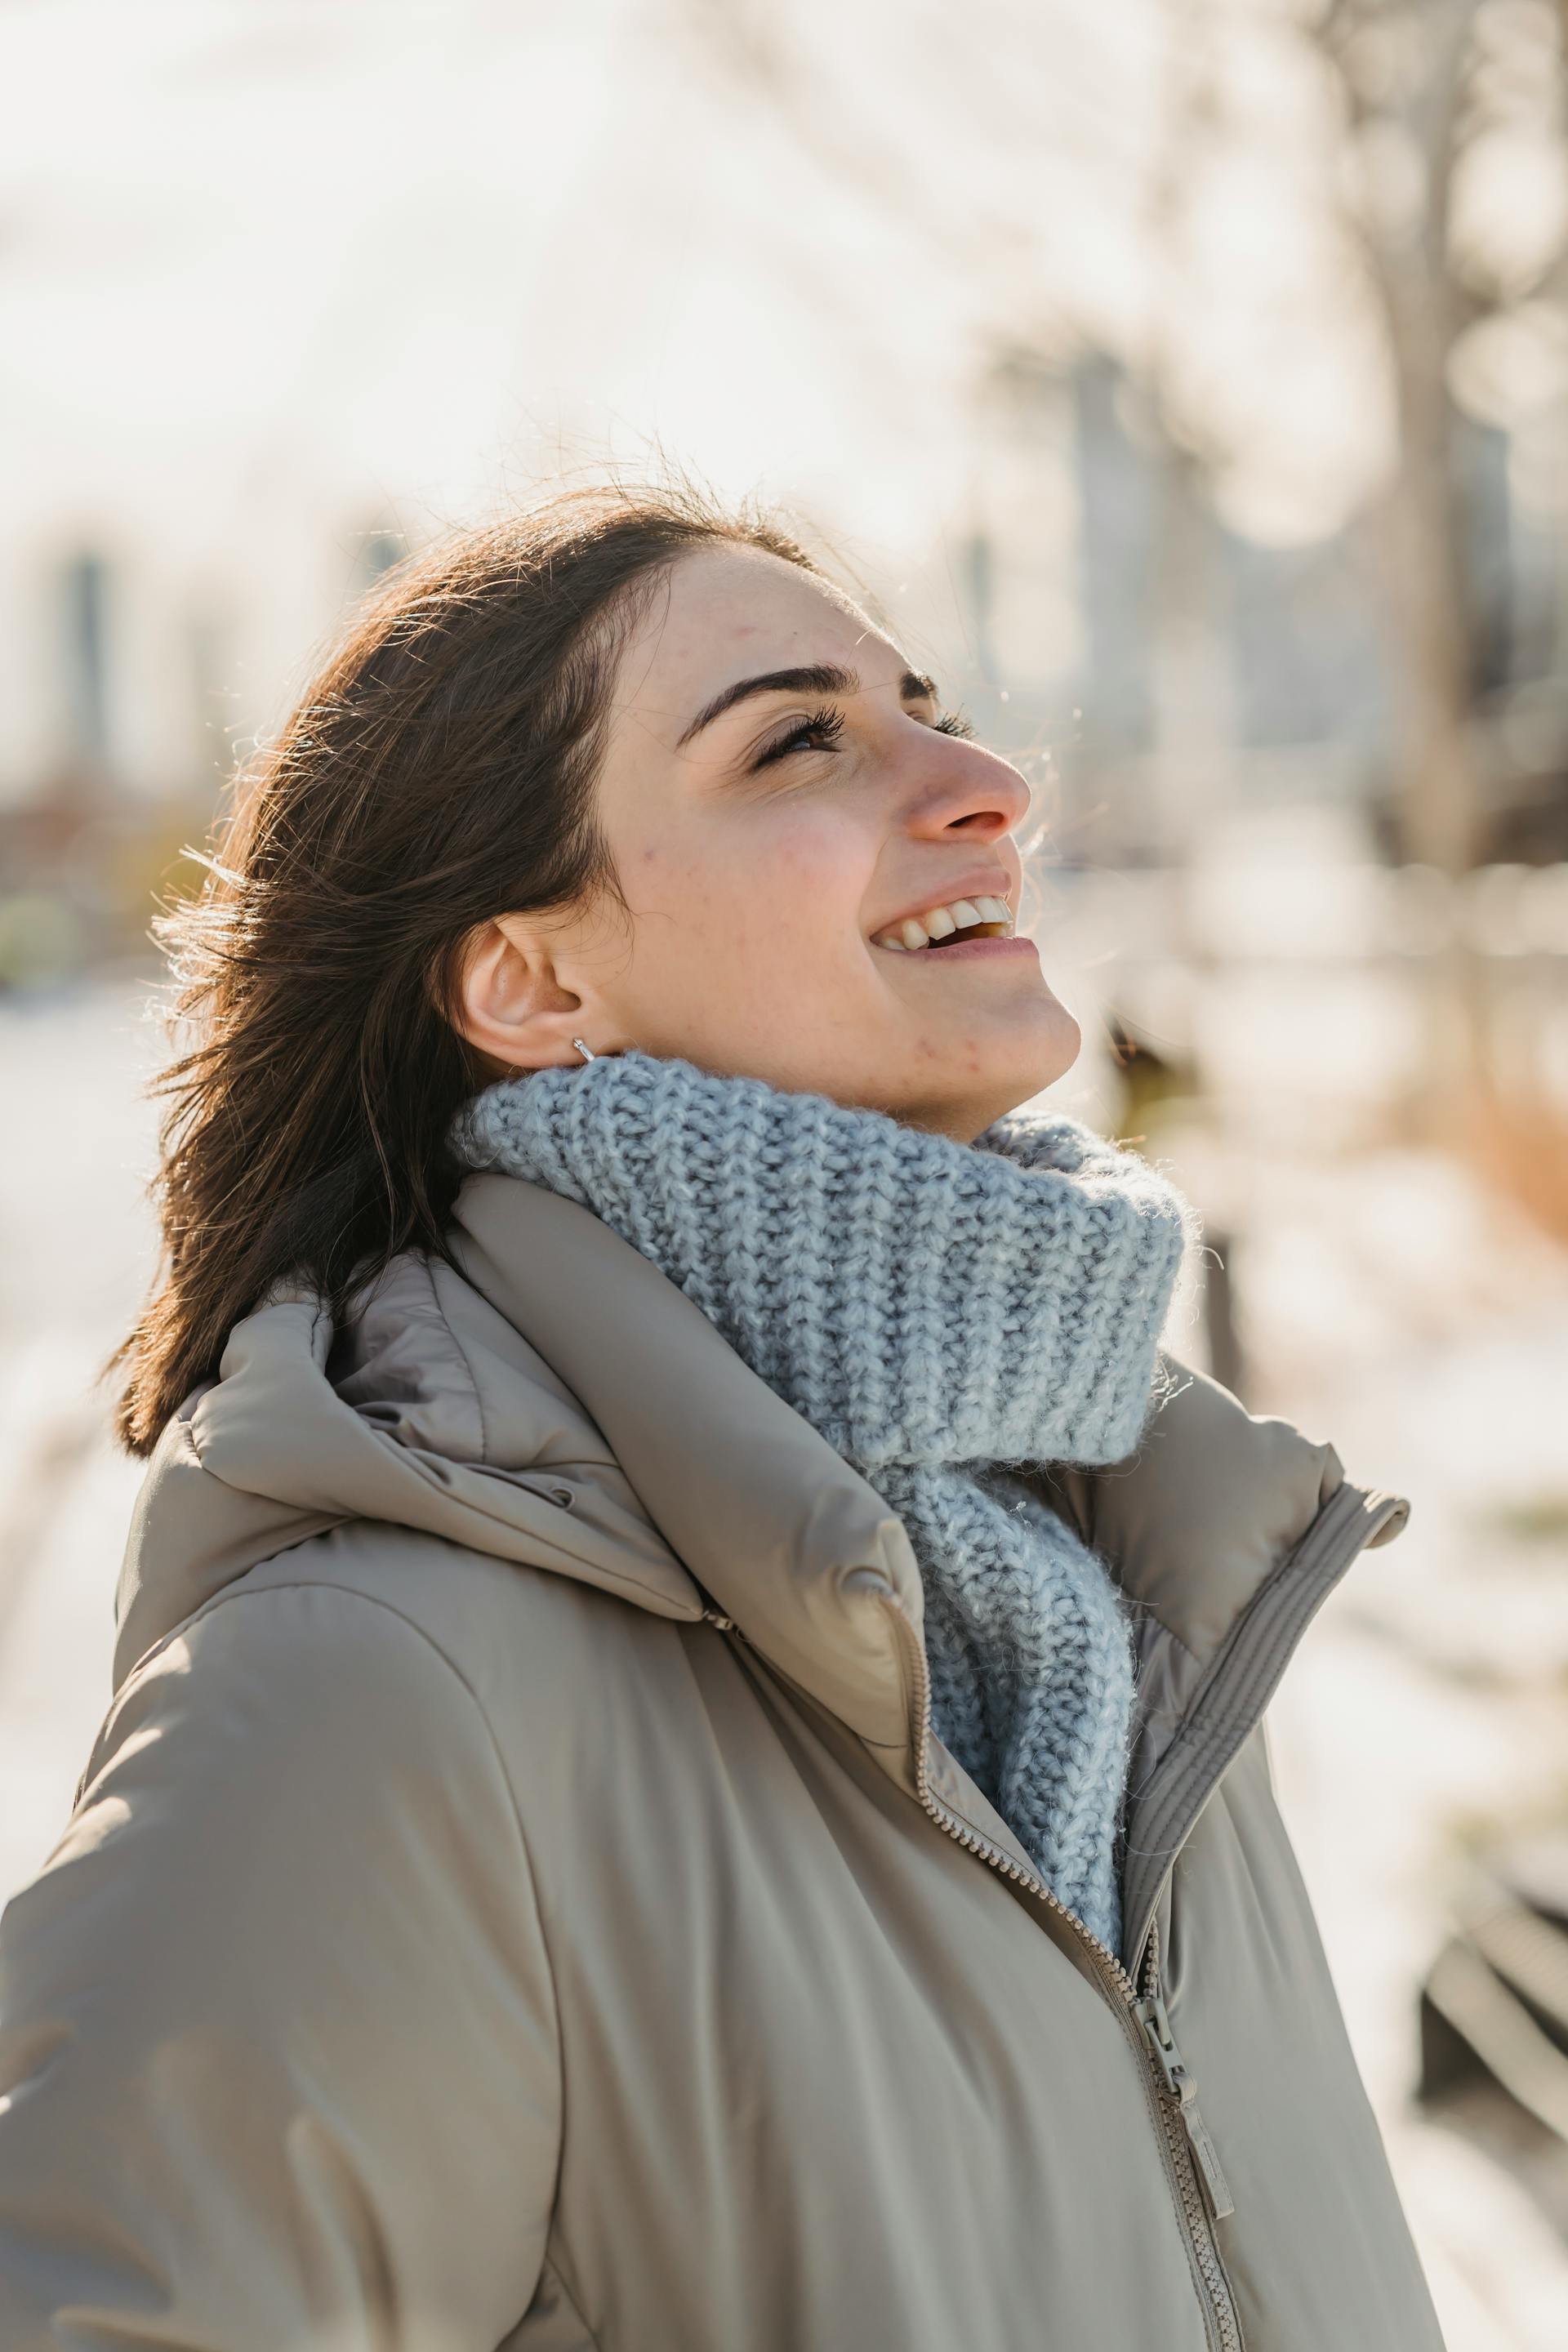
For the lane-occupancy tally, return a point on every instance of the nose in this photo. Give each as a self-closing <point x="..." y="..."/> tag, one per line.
<point x="971" y="794"/>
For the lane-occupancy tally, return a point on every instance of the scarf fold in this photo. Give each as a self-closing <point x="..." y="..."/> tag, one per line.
<point x="937" y="1311"/>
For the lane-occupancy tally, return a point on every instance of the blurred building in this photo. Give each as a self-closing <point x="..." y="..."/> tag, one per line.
<point x="1121" y="620"/>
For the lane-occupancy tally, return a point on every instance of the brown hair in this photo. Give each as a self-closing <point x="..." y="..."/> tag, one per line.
<point x="439" y="771"/>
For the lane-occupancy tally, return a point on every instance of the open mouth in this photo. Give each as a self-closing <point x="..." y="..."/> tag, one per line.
<point x="948" y="926"/>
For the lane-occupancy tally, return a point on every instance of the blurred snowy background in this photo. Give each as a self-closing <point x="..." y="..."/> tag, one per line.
<point x="1188" y="381"/>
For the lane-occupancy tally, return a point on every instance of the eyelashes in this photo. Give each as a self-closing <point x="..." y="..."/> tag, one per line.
<point x="820" y="733"/>
<point x="823" y="729"/>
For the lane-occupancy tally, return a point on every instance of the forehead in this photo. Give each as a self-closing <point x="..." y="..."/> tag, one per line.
<point x="727" y="613"/>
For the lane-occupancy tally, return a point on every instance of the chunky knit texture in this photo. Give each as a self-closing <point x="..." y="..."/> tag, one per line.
<point x="937" y="1311"/>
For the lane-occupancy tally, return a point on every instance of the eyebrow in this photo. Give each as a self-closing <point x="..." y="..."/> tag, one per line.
<point x="816" y="677"/>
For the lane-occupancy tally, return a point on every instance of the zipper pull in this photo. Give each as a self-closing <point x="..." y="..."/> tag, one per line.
<point x="1156" y="2024"/>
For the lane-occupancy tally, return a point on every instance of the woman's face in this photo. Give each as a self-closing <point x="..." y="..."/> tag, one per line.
<point x="786" y="815"/>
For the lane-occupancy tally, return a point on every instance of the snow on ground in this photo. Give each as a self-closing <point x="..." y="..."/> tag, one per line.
<point x="75" y="1250"/>
<point x="1385" y="1304"/>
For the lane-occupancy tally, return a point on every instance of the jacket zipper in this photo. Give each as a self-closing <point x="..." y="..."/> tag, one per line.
<point x="1190" y="2153"/>
<point x="1172" y="2069"/>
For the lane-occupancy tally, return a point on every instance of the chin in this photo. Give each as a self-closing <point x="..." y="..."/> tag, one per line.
<point x="1017" y="1068"/>
<point x="1036" y="1061"/>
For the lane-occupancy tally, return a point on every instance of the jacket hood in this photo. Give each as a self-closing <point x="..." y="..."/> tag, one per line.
<point x="559" y="1403"/>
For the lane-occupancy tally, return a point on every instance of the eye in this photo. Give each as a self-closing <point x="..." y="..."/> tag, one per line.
<point x="956" y="723"/>
<point x="817" y="733"/>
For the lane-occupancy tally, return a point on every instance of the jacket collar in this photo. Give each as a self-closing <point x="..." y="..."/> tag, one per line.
<point x="777" y="1528"/>
<point x="771" y="1521"/>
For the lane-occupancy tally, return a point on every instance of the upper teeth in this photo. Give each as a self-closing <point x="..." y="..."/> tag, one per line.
<point x="940" y="922"/>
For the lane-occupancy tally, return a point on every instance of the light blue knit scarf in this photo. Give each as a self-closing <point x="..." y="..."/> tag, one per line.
<point x="937" y="1311"/>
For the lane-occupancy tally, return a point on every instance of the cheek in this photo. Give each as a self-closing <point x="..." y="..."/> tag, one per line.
<point x="786" y="893"/>
<point x="808" y="883"/>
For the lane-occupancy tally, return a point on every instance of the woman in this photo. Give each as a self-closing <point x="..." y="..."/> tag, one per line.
<point x="685" y="1771"/>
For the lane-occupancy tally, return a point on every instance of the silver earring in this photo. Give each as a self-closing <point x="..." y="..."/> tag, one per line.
<point x="583" y="1049"/>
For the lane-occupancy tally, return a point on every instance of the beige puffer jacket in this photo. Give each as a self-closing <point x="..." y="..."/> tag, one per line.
<point x="517" y="1898"/>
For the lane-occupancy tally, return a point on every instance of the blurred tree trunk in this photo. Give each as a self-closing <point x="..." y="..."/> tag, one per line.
<point x="1401" y="73"/>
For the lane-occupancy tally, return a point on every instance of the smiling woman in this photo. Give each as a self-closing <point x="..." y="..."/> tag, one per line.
<point x="684" y="1769"/>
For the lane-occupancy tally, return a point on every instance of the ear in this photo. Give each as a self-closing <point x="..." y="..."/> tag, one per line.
<point x="511" y="1004"/>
